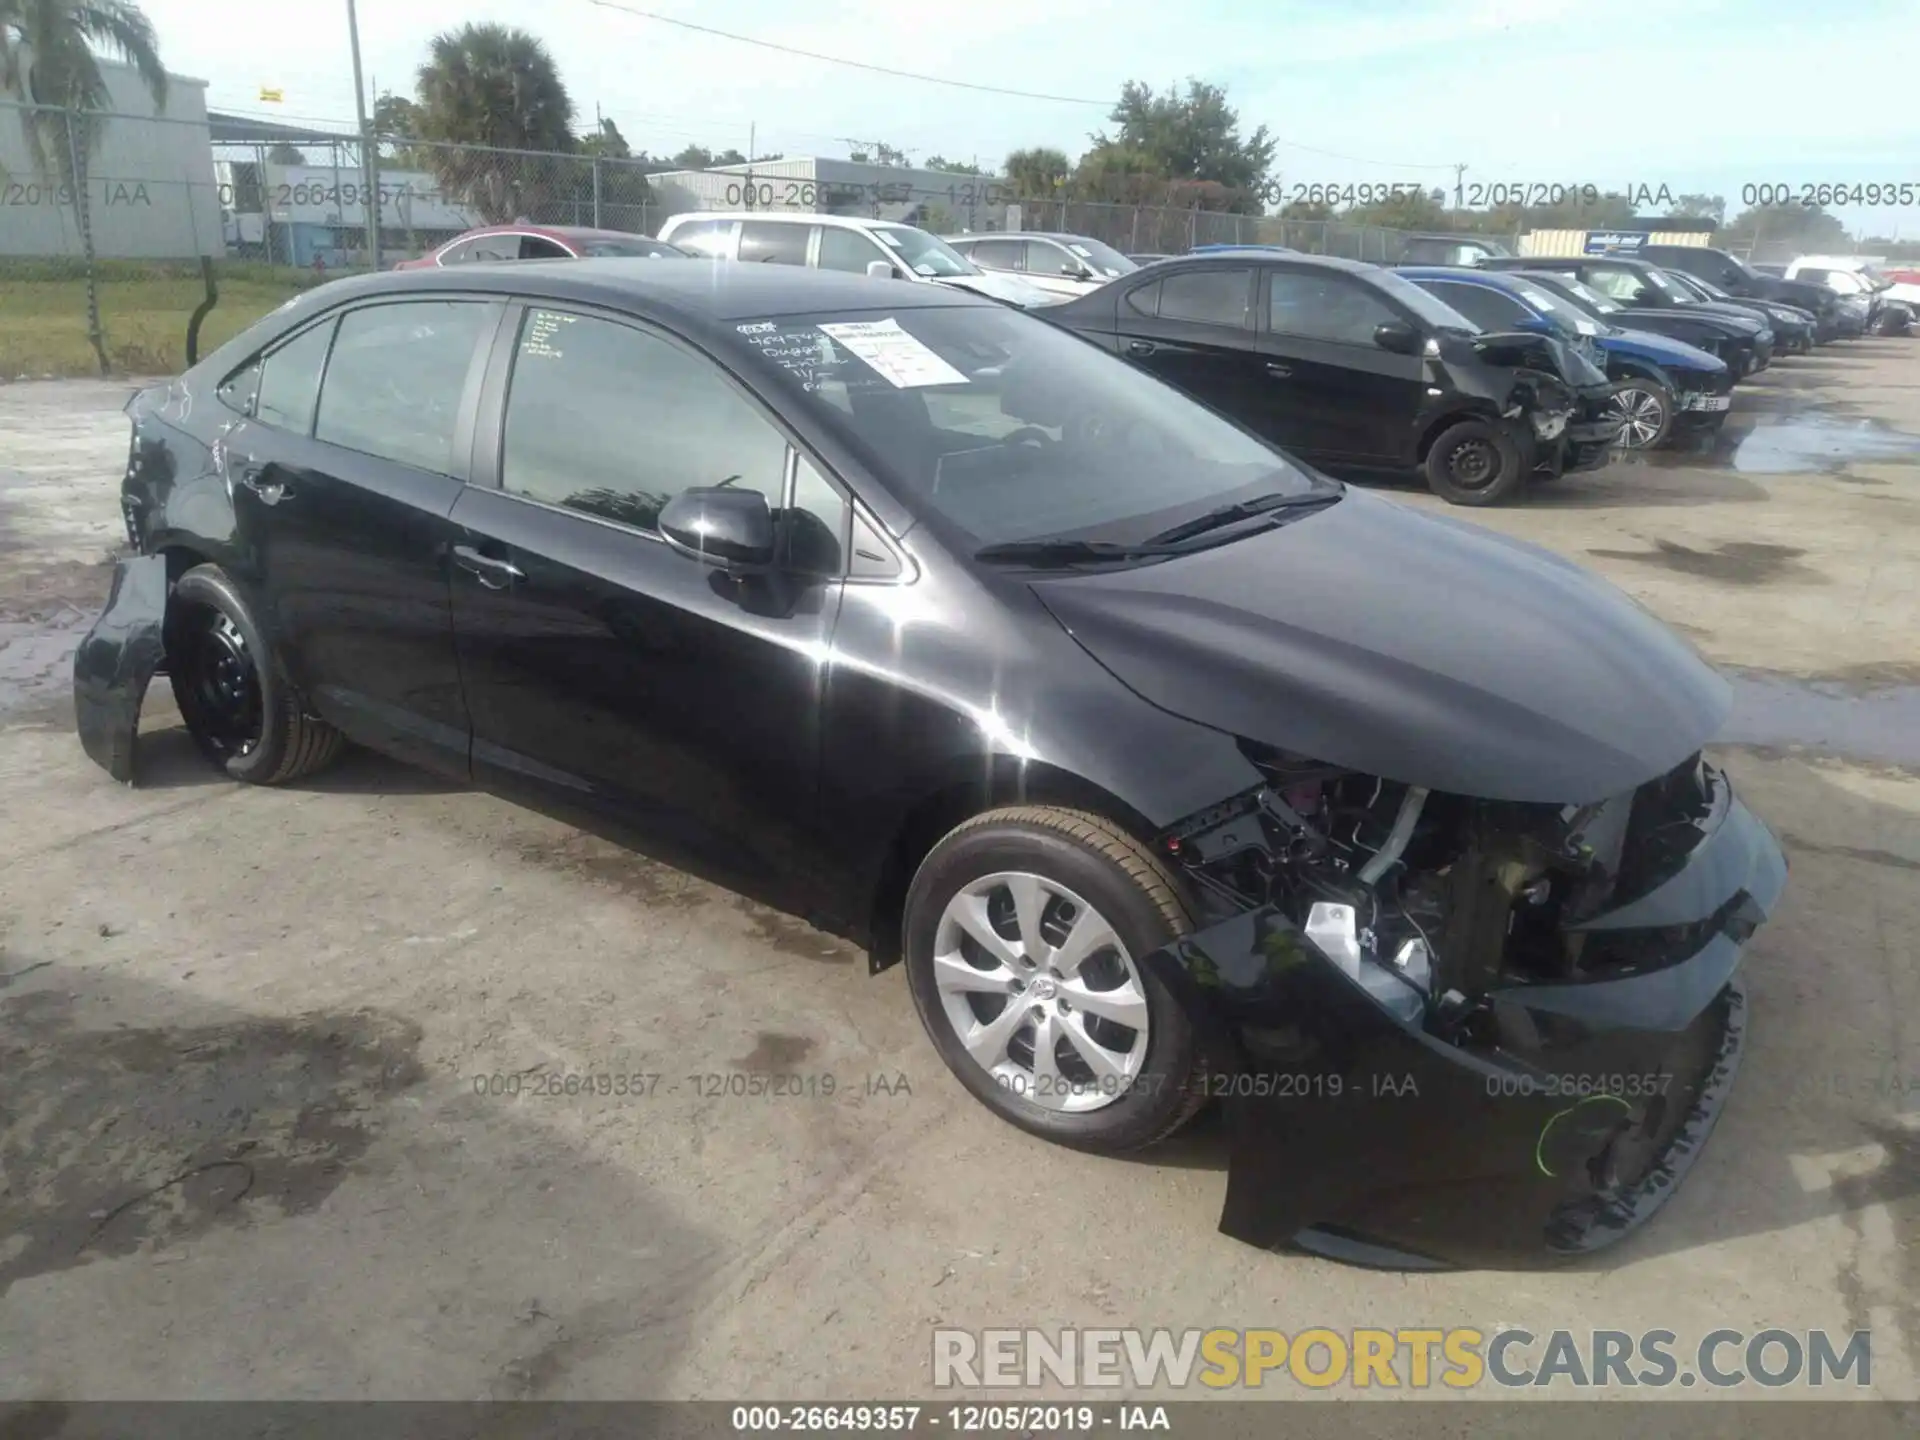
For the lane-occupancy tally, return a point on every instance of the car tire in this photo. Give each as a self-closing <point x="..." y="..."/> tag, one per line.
<point x="1071" y="867"/>
<point x="1474" y="463"/>
<point x="1646" y="412"/>
<point x="232" y="691"/>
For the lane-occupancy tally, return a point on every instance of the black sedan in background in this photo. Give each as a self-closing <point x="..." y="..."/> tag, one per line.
<point x="1163" y="763"/>
<point x="1795" y="331"/>
<point x="1730" y="338"/>
<point x="1357" y="369"/>
<point x="1642" y="289"/>
<point x="1742" y="282"/>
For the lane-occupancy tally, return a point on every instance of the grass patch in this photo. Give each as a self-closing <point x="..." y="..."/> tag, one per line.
<point x="144" y="309"/>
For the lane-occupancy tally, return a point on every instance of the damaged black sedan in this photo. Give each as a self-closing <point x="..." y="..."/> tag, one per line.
<point x="1148" y="750"/>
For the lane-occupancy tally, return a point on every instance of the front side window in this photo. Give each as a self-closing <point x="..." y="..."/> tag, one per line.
<point x="1007" y="428"/>
<point x="290" y="381"/>
<point x="848" y="250"/>
<point x="1046" y="258"/>
<point x="773" y="243"/>
<point x="535" y="247"/>
<point x="395" y="379"/>
<point x="1105" y="261"/>
<point x="1208" y="297"/>
<point x="663" y="420"/>
<point x="1318" y="306"/>
<point x="996" y="254"/>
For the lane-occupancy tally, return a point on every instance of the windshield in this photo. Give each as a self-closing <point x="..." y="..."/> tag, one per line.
<point x="1663" y="281"/>
<point x="1006" y="428"/>
<point x="1428" y="307"/>
<point x="1101" y="259"/>
<point x="924" y="254"/>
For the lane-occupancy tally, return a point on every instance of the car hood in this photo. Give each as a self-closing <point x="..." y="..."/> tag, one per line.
<point x="1413" y="647"/>
<point x="1795" y="292"/>
<point x="1010" y="288"/>
<point x="1662" y="350"/>
<point x="1743" y="324"/>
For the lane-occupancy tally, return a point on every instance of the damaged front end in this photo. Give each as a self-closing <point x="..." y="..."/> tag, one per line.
<point x="115" y="662"/>
<point x="1470" y="1032"/>
<point x="1563" y="397"/>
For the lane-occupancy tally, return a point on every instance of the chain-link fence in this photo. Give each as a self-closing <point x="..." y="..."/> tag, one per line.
<point x="118" y="231"/>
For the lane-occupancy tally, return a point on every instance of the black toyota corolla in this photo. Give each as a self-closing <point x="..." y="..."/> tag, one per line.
<point x="1172" y="770"/>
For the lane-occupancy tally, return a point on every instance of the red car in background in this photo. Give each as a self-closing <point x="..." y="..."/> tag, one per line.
<point x="541" y="242"/>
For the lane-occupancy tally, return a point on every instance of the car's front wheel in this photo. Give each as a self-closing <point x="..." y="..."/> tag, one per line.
<point x="1474" y="463"/>
<point x="1024" y="933"/>
<point x="1644" y="409"/>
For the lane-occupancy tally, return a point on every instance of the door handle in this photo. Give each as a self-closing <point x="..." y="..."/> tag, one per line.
<point x="1279" y="372"/>
<point x="492" y="573"/>
<point x="1140" y="347"/>
<point x="254" y="476"/>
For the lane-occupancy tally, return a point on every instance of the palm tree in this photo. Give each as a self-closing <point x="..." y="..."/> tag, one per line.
<point x="490" y="85"/>
<point x="49" y="57"/>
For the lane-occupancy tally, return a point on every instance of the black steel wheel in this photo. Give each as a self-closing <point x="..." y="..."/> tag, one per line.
<point x="1474" y="463"/>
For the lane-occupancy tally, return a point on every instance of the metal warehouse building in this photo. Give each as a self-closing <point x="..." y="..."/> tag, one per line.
<point x="151" y="191"/>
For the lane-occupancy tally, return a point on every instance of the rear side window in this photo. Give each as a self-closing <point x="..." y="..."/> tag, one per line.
<point x="1208" y="297"/>
<point x="290" y="381"/>
<point x="705" y="237"/>
<point x="394" y="383"/>
<point x="773" y="243"/>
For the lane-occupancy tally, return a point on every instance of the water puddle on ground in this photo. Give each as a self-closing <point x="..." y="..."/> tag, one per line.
<point x="1791" y="445"/>
<point x="1879" y="724"/>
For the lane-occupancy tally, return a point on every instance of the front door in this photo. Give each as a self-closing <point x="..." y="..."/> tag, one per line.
<point x="609" y="669"/>
<point x="1346" y="397"/>
<point x="344" y="505"/>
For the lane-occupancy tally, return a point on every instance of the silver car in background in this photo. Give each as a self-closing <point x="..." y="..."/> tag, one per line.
<point x="1063" y="265"/>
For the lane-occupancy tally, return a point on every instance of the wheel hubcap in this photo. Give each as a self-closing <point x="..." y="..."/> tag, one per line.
<point x="225" y="686"/>
<point x="1472" y="463"/>
<point x="1639" y="413"/>
<point x="1040" y="991"/>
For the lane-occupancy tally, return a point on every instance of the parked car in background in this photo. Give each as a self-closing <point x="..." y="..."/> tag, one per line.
<point x="540" y="242"/>
<point x="1729" y="338"/>
<point x="1658" y="384"/>
<point x="1148" y="257"/>
<point x="844" y="242"/>
<point x="1164" y="766"/>
<point x="1738" y="279"/>
<point x="1450" y="250"/>
<point x="1065" y="265"/>
<point x="1794" y="330"/>
<point x="1892" y="305"/>
<point x="1356" y="368"/>
<point x="1642" y="286"/>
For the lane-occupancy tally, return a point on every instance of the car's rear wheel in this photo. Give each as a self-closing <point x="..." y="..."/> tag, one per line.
<point x="1644" y="409"/>
<point x="231" y="691"/>
<point x="1474" y="463"/>
<point x="1025" y="934"/>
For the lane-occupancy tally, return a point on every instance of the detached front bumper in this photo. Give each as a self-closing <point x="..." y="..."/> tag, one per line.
<point x="1560" y="1129"/>
<point x="115" y="662"/>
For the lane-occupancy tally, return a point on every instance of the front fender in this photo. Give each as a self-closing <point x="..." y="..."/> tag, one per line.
<point x="115" y="662"/>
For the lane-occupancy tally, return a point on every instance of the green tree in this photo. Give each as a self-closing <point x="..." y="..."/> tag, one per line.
<point x="49" y="55"/>
<point x="1038" y="173"/>
<point x="1190" y="135"/>
<point x="1699" y="207"/>
<point x="281" y="153"/>
<point x="953" y="167"/>
<point x="1789" y="229"/>
<point x="876" y="152"/>
<point x="606" y="142"/>
<point x="491" y="85"/>
<point x="396" y="120"/>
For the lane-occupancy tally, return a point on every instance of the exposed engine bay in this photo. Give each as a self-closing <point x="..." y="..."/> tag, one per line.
<point x="1429" y="899"/>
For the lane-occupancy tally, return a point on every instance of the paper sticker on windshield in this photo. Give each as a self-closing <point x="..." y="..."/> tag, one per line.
<point x="901" y="359"/>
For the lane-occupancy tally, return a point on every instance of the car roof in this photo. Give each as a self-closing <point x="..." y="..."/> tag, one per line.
<point x="1273" y="253"/>
<point x="1466" y="274"/>
<point x="1019" y="235"/>
<point x="789" y="217"/>
<point x="702" y="293"/>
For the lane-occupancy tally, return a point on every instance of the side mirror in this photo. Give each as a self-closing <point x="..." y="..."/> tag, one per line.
<point x="1397" y="336"/>
<point x="879" y="270"/>
<point x="1076" y="272"/>
<point x="719" y="526"/>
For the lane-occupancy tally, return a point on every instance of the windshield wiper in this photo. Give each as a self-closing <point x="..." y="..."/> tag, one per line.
<point x="1241" y="510"/>
<point x="1067" y="552"/>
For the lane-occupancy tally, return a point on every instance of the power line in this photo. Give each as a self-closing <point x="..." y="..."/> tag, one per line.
<point x="851" y="64"/>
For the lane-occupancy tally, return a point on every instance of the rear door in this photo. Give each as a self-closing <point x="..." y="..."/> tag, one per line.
<point x="1194" y="329"/>
<point x="773" y="242"/>
<point x="344" y="501"/>
<point x="1335" y="392"/>
<point x="606" y="668"/>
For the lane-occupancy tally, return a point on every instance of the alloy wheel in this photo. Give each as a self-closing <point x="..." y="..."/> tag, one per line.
<point x="1639" y="412"/>
<point x="1040" y="991"/>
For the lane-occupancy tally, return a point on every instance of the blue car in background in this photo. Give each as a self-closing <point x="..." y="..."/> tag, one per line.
<point x="1660" y="384"/>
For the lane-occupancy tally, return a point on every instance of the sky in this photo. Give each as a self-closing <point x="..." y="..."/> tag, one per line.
<point x="1696" y="95"/>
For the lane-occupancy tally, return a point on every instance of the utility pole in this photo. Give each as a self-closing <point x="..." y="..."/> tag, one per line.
<point x="1459" y="192"/>
<point x="752" y="135"/>
<point x="369" y="164"/>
